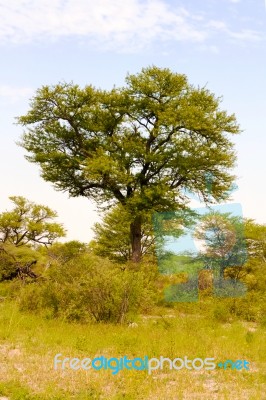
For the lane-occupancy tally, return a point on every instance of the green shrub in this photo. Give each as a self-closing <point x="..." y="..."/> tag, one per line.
<point x="250" y="307"/>
<point x="92" y="288"/>
<point x="31" y="298"/>
<point x="221" y="313"/>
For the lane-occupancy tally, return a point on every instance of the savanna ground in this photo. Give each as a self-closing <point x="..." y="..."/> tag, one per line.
<point x="28" y="344"/>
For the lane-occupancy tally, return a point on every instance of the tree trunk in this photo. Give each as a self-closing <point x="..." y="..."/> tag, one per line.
<point x="221" y="275"/>
<point x="135" y="233"/>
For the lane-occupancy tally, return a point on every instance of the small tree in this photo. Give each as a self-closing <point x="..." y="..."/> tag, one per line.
<point x="224" y="243"/>
<point x="64" y="252"/>
<point x="256" y="240"/>
<point x="112" y="236"/>
<point x="139" y="145"/>
<point x="29" y="224"/>
<point x="21" y="230"/>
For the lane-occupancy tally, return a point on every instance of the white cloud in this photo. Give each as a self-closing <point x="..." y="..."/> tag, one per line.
<point x="246" y="35"/>
<point x="241" y="35"/>
<point x="213" y="49"/>
<point x="118" y="25"/>
<point x="220" y="25"/>
<point x="121" y="23"/>
<point x="11" y="94"/>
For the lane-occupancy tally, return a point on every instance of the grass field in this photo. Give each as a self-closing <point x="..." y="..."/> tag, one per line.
<point x="28" y="344"/>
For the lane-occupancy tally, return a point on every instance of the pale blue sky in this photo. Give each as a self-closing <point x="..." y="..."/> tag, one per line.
<point x="218" y="43"/>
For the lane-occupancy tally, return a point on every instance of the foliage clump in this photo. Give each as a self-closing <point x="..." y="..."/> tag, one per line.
<point x="89" y="288"/>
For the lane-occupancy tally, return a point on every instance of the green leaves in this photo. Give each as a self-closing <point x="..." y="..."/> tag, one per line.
<point x="121" y="144"/>
<point x="29" y="223"/>
<point x="141" y="146"/>
<point x="112" y="235"/>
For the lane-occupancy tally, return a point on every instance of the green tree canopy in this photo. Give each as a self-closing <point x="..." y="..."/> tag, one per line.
<point x="140" y="145"/>
<point x="29" y="223"/>
<point x="224" y="243"/>
<point x="64" y="252"/>
<point x="112" y="235"/>
<point x="256" y="240"/>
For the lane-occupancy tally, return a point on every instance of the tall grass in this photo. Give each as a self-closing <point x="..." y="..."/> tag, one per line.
<point x="28" y="344"/>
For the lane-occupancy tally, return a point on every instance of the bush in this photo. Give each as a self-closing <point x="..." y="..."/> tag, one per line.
<point x="221" y="313"/>
<point x="90" y="287"/>
<point x="7" y="265"/>
<point x="251" y="307"/>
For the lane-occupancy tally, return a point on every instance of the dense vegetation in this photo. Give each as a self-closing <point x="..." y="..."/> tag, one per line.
<point x="137" y="151"/>
<point x="93" y="282"/>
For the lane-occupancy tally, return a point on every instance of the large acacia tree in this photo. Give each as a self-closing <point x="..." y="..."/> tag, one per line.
<point x="140" y="145"/>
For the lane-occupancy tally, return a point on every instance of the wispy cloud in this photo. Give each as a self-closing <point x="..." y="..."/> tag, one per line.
<point x="12" y="94"/>
<point x="240" y="35"/>
<point x="246" y="35"/>
<point x="119" y="25"/>
<point x="213" y="49"/>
